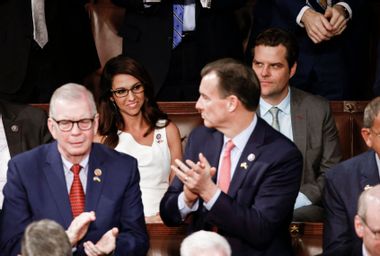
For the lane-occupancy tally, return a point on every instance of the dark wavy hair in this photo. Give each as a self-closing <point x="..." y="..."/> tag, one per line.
<point x="110" y="119"/>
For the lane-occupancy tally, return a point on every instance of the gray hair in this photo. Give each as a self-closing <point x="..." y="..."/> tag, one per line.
<point x="370" y="112"/>
<point x="45" y="238"/>
<point x="367" y="197"/>
<point x="205" y="243"/>
<point x="71" y="92"/>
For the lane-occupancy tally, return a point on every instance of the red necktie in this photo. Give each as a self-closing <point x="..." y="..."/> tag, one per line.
<point x="225" y="168"/>
<point x="76" y="192"/>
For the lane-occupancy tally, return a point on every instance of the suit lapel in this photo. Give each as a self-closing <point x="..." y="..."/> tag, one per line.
<point x="247" y="158"/>
<point x="299" y="121"/>
<point x="12" y="129"/>
<point x="97" y="169"/>
<point x="370" y="174"/>
<point x="53" y="169"/>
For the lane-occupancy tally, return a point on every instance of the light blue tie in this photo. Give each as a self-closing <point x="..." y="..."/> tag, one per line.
<point x="177" y="24"/>
<point x="274" y="112"/>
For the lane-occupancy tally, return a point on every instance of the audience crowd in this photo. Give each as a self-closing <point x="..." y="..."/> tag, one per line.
<point x="87" y="178"/>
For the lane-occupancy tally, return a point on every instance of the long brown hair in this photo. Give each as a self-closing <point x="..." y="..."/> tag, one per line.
<point x="110" y="119"/>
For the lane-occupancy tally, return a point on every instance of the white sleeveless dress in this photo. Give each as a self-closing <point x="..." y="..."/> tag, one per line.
<point x="154" y="166"/>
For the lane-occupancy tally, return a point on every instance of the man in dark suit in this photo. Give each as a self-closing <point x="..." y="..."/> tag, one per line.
<point x="250" y="199"/>
<point x="44" y="184"/>
<point x="22" y="127"/>
<point x="302" y="117"/>
<point x="210" y="32"/>
<point x="29" y="72"/>
<point x="321" y="68"/>
<point x="345" y="182"/>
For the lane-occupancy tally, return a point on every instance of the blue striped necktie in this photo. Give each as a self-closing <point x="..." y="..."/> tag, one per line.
<point x="177" y="24"/>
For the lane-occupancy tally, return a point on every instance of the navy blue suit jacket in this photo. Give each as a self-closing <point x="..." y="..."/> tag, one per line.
<point x="343" y="185"/>
<point x="255" y="214"/>
<point x="36" y="189"/>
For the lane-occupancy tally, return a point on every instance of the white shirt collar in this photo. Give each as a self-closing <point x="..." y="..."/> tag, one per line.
<point x="242" y="138"/>
<point x="67" y="164"/>
<point x="284" y="105"/>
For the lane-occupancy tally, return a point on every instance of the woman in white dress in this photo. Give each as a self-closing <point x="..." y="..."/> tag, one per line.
<point x="131" y="122"/>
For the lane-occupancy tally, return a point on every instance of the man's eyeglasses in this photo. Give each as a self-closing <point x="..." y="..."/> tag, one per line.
<point x="84" y="124"/>
<point x="377" y="134"/>
<point x="123" y="92"/>
<point x="375" y="233"/>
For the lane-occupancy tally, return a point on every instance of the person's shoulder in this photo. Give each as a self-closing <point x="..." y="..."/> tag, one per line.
<point x="273" y="140"/>
<point x="351" y="167"/>
<point x="37" y="152"/>
<point x="309" y="100"/>
<point x="109" y="153"/>
<point x="202" y="132"/>
<point x="22" y="110"/>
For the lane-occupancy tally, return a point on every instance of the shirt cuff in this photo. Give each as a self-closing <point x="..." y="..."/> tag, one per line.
<point x="300" y="14"/>
<point x="212" y="201"/>
<point x="206" y="3"/>
<point x="183" y="208"/>
<point x="301" y="201"/>
<point x="348" y="8"/>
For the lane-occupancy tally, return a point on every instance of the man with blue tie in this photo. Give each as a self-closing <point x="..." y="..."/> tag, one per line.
<point x="241" y="177"/>
<point x="175" y="39"/>
<point x="71" y="177"/>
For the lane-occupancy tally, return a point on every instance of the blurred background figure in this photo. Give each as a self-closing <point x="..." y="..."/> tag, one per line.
<point x="22" y="127"/>
<point x="45" y="238"/>
<point x="132" y="123"/>
<point x="173" y="40"/>
<point x="205" y="243"/>
<point x="43" y="45"/>
<point x="367" y="222"/>
<point x="325" y="66"/>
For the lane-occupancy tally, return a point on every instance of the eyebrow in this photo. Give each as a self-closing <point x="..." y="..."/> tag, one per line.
<point x="133" y="85"/>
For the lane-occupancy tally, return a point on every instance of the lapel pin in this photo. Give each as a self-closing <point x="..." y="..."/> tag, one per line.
<point x="14" y="128"/>
<point x="367" y="187"/>
<point x="251" y="157"/>
<point x="97" y="179"/>
<point x="98" y="172"/>
<point x="244" y="165"/>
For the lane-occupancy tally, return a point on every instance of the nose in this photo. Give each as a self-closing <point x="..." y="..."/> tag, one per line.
<point x="75" y="130"/>
<point x="131" y="96"/>
<point x="198" y="105"/>
<point x="265" y="71"/>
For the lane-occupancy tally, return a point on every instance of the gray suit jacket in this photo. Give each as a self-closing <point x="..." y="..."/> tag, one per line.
<point x="316" y="136"/>
<point x="25" y="127"/>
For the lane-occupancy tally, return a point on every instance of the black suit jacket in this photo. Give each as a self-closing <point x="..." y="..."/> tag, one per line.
<point x="70" y="49"/>
<point x="255" y="214"/>
<point x="147" y="34"/>
<point x="25" y="127"/>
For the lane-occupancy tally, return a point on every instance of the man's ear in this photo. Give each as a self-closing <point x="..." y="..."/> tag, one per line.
<point x="359" y="227"/>
<point x="50" y="124"/>
<point x="293" y="70"/>
<point x="232" y="103"/>
<point x="366" y="136"/>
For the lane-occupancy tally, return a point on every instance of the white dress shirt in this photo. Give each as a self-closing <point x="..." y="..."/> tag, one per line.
<point x="69" y="176"/>
<point x="284" y="115"/>
<point x="4" y="158"/>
